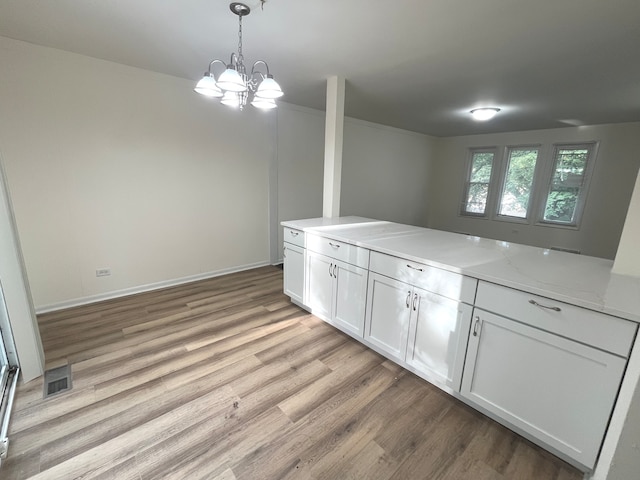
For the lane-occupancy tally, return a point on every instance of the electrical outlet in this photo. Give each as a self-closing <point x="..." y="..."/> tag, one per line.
<point x="103" y="272"/>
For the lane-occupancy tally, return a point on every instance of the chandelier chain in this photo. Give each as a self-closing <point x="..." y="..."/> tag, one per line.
<point x="240" y="57"/>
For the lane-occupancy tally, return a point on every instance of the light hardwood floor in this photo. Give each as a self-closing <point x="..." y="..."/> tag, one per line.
<point x="226" y="379"/>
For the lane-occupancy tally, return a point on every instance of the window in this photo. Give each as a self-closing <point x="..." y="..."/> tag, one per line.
<point x="566" y="193"/>
<point x="478" y="179"/>
<point x="528" y="185"/>
<point x="518" y="181"/>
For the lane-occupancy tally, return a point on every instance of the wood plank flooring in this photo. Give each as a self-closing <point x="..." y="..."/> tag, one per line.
<point x="226" y="379"/>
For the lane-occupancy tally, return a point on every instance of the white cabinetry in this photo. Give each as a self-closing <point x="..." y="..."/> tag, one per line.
<point x="438" y="338"/>
<point x="555" y="390"/>
<point x="416" y="315"/>
<point x="388" y="315"/>
<point x="293" y="257"/>
<point x="549" y="370"/>
<point x="336" y="289"/>
<point x="320" y="284"/>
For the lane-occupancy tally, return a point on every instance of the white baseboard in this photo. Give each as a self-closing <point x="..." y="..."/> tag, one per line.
<point x="76" y="302"/>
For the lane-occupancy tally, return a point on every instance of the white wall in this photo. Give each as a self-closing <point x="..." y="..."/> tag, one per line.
<point x="113" y="166"/>
<point x="385" y="173"/>
<point x="626" y="461"/>
<point x="300" y="164"/>
<point x="604" y="215"/>
<point x="628" y="255"/>
<point x="385" y="170"/>
<point x="620" y="456"/>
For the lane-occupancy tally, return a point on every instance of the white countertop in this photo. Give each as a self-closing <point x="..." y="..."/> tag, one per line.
<point x="576" y="279"/>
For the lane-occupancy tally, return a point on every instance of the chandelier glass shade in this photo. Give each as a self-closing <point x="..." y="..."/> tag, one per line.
<point x="234" y="86"/>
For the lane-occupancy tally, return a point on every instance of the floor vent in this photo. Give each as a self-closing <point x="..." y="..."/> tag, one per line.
<point x="57" y="380"/>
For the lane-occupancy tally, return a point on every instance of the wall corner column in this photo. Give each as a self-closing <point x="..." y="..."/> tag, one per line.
<point x="627" y="260"/>
<point x="619" y="456"/>
<point x="333" y="139"/>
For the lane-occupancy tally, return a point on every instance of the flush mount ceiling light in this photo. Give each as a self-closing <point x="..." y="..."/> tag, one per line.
<point x="233" y="86"/>
<point x="482" y="114"/>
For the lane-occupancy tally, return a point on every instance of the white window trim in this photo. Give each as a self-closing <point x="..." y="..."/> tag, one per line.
<point x="467" y="180"/>
<point x="584" y="192"/>
<point x="504" y="164"/>
<point x="542" y="178"/>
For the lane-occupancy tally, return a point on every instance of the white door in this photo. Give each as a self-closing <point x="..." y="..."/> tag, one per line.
<point x="438" y="337"/>
<point x="320" y="284"/>
<point x="294" y="272"/>
<point x="388" y="314"/>
<point x="559" y="391"/>
<point x="350" y="298"/>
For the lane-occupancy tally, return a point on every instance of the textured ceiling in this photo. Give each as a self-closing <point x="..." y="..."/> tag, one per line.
<point x="416" y="65"/>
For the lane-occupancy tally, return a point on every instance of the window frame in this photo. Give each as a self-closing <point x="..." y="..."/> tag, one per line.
<point x="467" y="182"/>
<point x="534" y="184"/>
<point x="592" y="147"/>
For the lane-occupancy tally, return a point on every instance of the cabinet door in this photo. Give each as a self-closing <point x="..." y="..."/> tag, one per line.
<point x="294" y="272"/>
<point x="319" y="288"/>
<point x="438" y="337"/>
<point x="559" y="391"/>
<point x="350" y="298"/>
<point x="388" y="314"/>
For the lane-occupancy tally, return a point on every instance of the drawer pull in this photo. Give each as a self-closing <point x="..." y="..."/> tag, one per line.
<point x="555" y="309"/>
<point x="476" y="326"/>
<point x="294" y="234"/>
<point x="415" y="268"/>
<point x="334" y="245"/>
<point x="408" y="297"/>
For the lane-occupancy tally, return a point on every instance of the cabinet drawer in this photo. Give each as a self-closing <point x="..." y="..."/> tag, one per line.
<point x="294" y="236"/>
<point x="447" y="284"/>
<point x="602" y="331"/>
<point x="338" y="250"/>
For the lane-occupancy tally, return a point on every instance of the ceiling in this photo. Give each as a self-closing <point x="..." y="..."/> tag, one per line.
<point x="411" y="64"/>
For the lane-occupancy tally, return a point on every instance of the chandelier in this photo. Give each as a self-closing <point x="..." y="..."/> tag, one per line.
<point x="234" y="85"/>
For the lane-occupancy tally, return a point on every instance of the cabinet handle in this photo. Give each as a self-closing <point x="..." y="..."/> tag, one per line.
<point x="415" y="299"/>
<point x="334" y="245"/>
<point x="335" y="267"/>
<point x="330" y="267"/>
<point x="555" y="309"/>
<point x="294" y="234"/>
<point x="476" y="327"/>
<point x="415" y="268"/>
<point x="408" y="297"/>
<point x="284" y="252"/>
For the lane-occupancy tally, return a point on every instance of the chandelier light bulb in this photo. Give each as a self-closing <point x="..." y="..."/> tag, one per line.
<point x="264" y="103"/>
<point x="207" y="86"/>
<point x="269" y="88"/>
<point x="231" y="80"/>
<point x="231" y="99"/>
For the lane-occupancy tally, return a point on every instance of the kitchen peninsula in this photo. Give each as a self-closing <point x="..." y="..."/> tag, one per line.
<point x="535" y="338"/>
